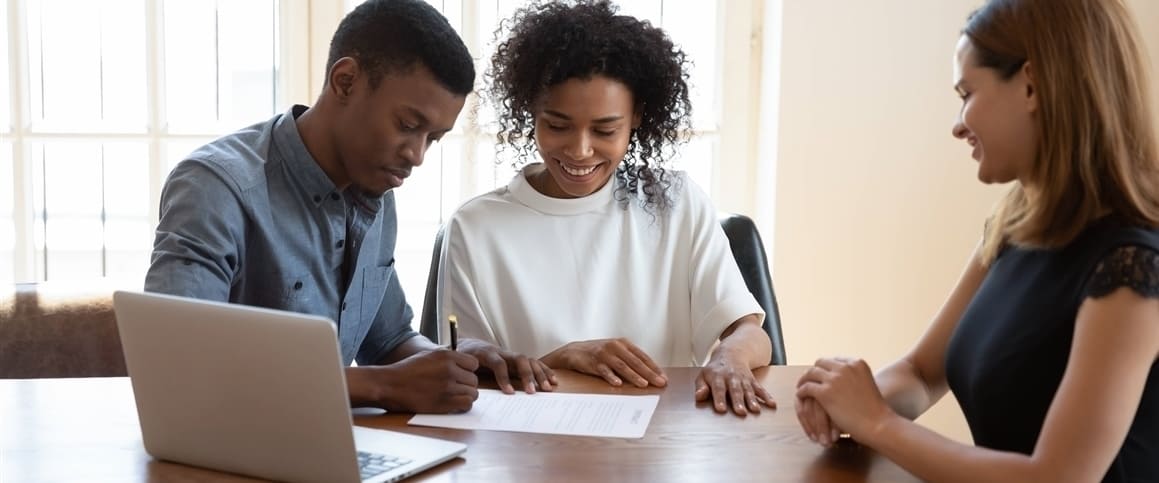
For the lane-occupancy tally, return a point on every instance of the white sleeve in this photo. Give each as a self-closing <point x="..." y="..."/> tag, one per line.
<point x="456" y="290"/>
<point x="719" y="294"/>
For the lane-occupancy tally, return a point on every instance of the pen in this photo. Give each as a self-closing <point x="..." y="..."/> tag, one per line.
<point x="454" y="331"/>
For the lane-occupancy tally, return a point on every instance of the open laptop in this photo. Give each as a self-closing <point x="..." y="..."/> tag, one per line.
<point x="254" y="391"/>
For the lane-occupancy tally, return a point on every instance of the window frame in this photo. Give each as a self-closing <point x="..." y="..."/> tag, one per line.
<point x="291" y="86"/>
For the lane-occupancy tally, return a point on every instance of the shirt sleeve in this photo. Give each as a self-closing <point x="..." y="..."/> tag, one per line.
<point x="392" y="322"/>
<point x="1131" y="266"/>
<point x="391" y="326"/>
<point x="719" y="294"/>
<point x="197" y="249"/>
<point x="456" y="291"/>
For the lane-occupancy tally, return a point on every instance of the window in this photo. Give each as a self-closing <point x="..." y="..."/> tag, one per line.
<point x="103" y="97"/>
<point x="101" y="100"/>
<point x="464" y="164"/>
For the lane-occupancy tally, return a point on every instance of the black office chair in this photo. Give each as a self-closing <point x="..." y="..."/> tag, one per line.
<point x="749" y="252"/>
<point x="429" y="324"/>
<point x="747" y="249"/>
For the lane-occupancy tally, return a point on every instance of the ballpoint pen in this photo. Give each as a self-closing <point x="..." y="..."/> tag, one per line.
<point x="454" y="322"/>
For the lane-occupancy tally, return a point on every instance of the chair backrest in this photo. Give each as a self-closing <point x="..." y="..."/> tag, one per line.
<point x="749" y="252"/>
<point x="59" y="330"/>
<point x="747" y="249"/>
<point x="428" y="325"/>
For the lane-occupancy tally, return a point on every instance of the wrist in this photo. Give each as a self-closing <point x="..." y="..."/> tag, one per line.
<point x="729" y="356"/>
<point x="882" y="428"/>
<point x="365" y="386"/>
<point x="555" y="359"/>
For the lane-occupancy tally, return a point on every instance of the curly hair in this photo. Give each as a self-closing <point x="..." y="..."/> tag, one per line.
<point x="392" y="36"/>
<point x="552" y="42"/>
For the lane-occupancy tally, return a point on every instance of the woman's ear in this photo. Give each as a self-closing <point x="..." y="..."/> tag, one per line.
<point x="1027" y="74"/>
<point x="637" y="116"/>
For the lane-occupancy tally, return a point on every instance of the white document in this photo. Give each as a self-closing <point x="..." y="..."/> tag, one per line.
<point x="552" y="413"/>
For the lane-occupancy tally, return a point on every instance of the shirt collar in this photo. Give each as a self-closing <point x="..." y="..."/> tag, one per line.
<point x="526" y="194"/>
<point x="302" y="167"/>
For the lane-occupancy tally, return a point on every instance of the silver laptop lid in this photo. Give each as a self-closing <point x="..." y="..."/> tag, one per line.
<point x="236" y="388"/>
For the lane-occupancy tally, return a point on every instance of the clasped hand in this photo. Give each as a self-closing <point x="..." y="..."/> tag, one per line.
<point x="839" y="393"/>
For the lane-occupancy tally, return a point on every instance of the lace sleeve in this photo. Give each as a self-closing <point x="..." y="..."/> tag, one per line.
<point x="1127" y="266"/>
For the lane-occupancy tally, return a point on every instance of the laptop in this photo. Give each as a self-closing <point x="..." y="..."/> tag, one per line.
<point x="254" y="391"/>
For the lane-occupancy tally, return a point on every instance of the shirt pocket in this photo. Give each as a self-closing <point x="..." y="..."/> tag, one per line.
<point x="374" y="283"/>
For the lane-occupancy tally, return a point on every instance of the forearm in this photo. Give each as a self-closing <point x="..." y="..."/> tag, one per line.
<point x="745" y="341"/>
<point x="410" y="347"/>
<point x="362" y="388"/>
<point x="937" y="459"/>
<point x="905" y="390"/>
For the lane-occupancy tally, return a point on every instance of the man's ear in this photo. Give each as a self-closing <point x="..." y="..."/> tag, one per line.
<point x="1027" y="74"/>
<point x="342" y="78"/>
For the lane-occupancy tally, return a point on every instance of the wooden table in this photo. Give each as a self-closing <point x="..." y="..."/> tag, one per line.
<point x="61" y="430"/>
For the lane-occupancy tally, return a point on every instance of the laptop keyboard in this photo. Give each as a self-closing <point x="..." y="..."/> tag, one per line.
<point x="374" y="464"/>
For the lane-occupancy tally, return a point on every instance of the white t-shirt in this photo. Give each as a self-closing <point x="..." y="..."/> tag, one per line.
<point x="532" y="273"/>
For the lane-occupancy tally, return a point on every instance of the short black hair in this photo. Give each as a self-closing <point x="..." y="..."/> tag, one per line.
<point x="391" y="36"/>
<point x="553" y="42"/>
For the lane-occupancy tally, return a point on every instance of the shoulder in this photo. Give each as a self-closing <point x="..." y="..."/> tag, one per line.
<point x="1130" y="258"/>
<point x="688" y="199"/>
<point x="680" y="190"/>
<point x="482" y="207"/>
<point x="240" y="157"/>
<point x="482" y="214"/>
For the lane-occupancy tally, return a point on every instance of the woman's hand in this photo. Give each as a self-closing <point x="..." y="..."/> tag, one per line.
<point x="815" y="421"/>
<point x="506" y="365"/>
<point x="847" y="392"/>
<point x="726" y="379"/>
<point x="615" y="360"/>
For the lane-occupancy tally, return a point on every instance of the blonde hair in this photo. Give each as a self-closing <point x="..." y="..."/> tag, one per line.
<point x="1097" y="150"/>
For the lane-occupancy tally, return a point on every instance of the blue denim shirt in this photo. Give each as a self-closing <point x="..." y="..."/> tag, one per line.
<point x="252" y="219"/>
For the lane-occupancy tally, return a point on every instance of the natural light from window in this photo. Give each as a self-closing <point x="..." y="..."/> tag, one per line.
<point x="104" y="97"/>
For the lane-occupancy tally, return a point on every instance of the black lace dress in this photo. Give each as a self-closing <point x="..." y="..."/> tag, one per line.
<point x="1007" y="356"/>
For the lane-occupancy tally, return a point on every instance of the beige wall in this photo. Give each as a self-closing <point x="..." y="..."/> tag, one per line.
<point x="877" y="206"/>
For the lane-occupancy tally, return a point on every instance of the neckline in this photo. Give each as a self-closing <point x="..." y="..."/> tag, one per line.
<point x="522" y="190"/>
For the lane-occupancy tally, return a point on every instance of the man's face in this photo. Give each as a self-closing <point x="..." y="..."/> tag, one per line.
<point x="384" y="132"/>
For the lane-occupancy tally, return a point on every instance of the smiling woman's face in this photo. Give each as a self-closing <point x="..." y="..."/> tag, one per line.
<point x="997" y="117"/>
<point x="582" y="131"/>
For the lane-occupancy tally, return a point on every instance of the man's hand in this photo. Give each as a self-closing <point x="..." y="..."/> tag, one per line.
<point x="435" y="381"/>
<point x="612" y="359"/>
<point x="505" y="365"/>
<point x="728" y="379"/>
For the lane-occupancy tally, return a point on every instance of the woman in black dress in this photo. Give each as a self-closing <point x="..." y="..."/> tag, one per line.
<point x="1050" y="339"/>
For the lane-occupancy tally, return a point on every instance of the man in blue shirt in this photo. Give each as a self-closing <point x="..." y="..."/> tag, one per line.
<point x="297" y="213"/>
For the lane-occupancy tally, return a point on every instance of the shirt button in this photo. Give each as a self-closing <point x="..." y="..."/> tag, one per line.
<point x="317" y="198"/>
<point x="343" y="306"/>
<point x="298" y="285"/>
<point x="334" y="196"/>
<point x="340" y="243"/>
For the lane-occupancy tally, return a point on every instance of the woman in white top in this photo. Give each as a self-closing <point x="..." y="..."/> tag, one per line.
<point x="597" y="258"/>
